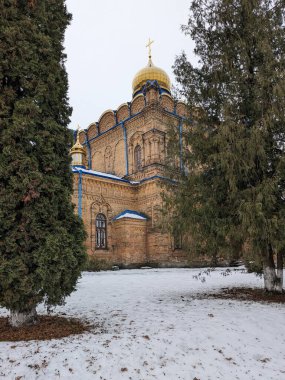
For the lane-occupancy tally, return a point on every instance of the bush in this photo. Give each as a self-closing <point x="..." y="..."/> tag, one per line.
<point x="94" y="264"/>
<point x="254" y="266"/>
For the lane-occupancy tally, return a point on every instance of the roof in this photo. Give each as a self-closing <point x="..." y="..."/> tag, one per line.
<point x="130" y="214"/>
<point x="76" y="169"/>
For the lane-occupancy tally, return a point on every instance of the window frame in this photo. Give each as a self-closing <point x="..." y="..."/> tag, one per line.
<point x="99" y="229"/>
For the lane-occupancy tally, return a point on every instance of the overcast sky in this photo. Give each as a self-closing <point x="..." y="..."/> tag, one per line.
<point x="105" y="46"/>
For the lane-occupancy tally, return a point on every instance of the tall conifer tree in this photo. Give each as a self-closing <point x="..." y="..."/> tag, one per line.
<point x="232" y="195"/>
<point x="41" y="240"/>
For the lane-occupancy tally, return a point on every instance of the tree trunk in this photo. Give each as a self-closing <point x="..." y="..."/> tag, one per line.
<point x="19" y="319"/>
<point x="214" y="260"/>
<point x="273" y="276"/>
<point x="269" y="273"/>
<point x="269" y="278"/>
<point x="279" y="275"/>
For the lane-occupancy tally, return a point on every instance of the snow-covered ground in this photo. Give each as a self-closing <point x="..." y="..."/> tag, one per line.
<point x="151" y="326"/>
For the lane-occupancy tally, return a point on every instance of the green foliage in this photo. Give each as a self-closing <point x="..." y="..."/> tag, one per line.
<point x="93" y="264"/>
<point x="231" y="196"/>
<point x="254" y="266"/>
<point x="41" y="240"/>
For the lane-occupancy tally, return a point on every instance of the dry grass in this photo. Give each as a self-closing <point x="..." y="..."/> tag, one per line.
<point x="247" y="294"/>
<point x="46" y="328"/>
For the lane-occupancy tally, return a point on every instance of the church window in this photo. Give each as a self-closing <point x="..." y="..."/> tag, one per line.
<point x="138" y="158"/>
<point x="101" y="233"/>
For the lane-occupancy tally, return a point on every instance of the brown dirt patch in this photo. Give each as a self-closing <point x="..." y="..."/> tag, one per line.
<point x="48" y="327"/>
<point x="248" y="294"/>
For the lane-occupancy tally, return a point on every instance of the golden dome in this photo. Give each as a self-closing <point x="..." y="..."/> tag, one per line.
<point x="77" y="147"/>
<point x="77" y="153"/>
<point x="151" y="72"/>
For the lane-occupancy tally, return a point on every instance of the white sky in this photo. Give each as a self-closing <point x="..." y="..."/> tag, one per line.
<point x="105" y="46"/>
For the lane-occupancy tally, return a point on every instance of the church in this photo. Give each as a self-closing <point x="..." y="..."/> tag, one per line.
<point x="118" y="165"/>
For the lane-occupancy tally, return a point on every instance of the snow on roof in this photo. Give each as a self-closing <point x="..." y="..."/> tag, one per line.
<point x="130" y="214"/>
<point x="76" y="169"/>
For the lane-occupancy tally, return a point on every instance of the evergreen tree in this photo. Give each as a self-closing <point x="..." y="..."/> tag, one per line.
<point x="41" y="240"/>
<point x="232" y="195"/>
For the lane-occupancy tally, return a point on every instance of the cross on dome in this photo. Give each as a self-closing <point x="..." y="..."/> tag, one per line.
<point x="150" y="73"/>
<point x="148" y="45"/>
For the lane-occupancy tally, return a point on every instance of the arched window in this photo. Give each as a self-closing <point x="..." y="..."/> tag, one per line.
<point x="101" y="232"/>
<point x="138" y="158"/>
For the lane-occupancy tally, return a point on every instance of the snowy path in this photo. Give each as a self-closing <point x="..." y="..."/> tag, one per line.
<point x="153" y="328"/>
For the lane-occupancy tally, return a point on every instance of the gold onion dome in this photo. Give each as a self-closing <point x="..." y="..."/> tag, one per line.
<point x="77" y="153"/>
<point x="151" y="72"/>
<point x="77" y="147"/>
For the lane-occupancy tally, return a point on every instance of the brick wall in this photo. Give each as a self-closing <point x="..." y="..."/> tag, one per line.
<point x="130" y="241"/>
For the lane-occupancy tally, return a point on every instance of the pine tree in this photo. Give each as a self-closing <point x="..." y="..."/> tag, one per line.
<point x="41" y="239"/>
<point x="232" y="196"/>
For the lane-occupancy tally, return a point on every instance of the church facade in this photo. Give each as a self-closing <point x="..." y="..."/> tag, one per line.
<point x="118" y="165"/>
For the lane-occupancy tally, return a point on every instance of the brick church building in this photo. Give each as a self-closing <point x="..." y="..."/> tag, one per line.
<point x="118" y="166"/>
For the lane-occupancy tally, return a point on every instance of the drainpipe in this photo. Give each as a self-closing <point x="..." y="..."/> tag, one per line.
<point x="80" y="194"/>
<point x="89" y="151"/>
<point x="116" y="116"/>
<point x="180" y="144"/>
<point x="126" y="147"/>
<point x="175" y="105"/>
<point x="130" y="111"/>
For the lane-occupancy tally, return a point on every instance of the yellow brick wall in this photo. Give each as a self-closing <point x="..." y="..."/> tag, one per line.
<point x="130" y="241"/>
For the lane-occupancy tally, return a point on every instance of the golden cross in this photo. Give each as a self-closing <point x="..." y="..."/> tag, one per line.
<point x="150" y="42"/>
<point x="78" y="131"/>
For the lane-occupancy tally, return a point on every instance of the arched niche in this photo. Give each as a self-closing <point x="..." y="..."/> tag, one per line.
<point x="167" y="102"/>
<point x="136" y="140"/>
<point x="92" y="131"/>
<point x="181" y="109"/>
<point x="138" y="104"/>
<point x="122" y="112"/>
<point x="107" y="121"/>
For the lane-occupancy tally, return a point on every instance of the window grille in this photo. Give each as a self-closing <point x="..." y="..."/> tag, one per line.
<point x="101" y="232"/>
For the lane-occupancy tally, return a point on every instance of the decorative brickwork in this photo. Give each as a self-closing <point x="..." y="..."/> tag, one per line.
<point x="167" y="102"/>
<point x="181" y="109"/>
<point x="137" y="104"/>
<point x="123" y="112"/>
<point x="107" y="121"/>
<point x="82" y="137"/>
<point x="131" y="145"/>
<point x="92" y="131"/>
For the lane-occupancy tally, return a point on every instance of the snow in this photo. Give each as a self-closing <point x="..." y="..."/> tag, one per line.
<point x="76" y="169"/>
<point x="151" y="325"/>
<point x="130" y="214"/>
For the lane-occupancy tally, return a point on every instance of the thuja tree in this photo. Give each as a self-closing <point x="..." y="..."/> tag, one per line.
<point x="230" y="196"/>
<point x="41" y="239"/>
